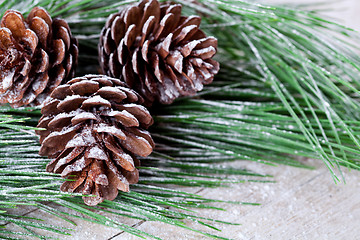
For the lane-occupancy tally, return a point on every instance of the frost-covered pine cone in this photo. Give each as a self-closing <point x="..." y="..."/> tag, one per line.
<point x="158" y="52"/>
<point x="94" y="129"/>
<point x="36" y="55"/>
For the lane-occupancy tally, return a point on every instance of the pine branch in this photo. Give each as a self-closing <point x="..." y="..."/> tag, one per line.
<point x="24" y="182"/>
<point x="288" y="87"/>
<point x="297" y="55"/>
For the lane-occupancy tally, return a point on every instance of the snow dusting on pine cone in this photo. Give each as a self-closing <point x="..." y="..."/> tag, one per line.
<point x="158" y="52"/>
<point x="36" y="55"/>
<point x="94" y="131"/>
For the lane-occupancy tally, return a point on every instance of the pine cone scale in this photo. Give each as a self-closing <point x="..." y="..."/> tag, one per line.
<point x="121" y="158"/>
<point x="163" y="48"/>
<point x="113" y="94"/>
<point x="5" y="42"/>
<point x="105" y="128"/>
<point x="42" y="66"/>
<point x="151" y="9"/>
<point x="84" y="87"/>
<point x="119" y="181"/>
<point x="130" y="35"/>
<point x="71" y="103"/>
<point x="40" y="84"/>
<point x="148" y="27"/>
<point x="8" y="78"/>
<point x="124" y="117"/>
<point x="14" y="21"/>
<point x="107" y="44"/>
<point x="60" y="121"/>
<point x="58" y="74"/>
<point x="50" y="146"/>
<point x="72" y="185"/>
<point x="59" y="47"/>
<point x="136" y="144"/>
<point x="95" y="101"/>
<point x="40" y="13"/>
<point x="49" y="108"/>
<point x="77" y="166"/>
<point x="41" y="29"/>
<point x="14" y="95"/>
<point x="131" y="16"/>
<point x="117" y="30"/>
<point x="62" y="33"/>
<point x="61" y="162"/>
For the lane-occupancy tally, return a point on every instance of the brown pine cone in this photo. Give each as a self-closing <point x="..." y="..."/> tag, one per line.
<point x="94" y="128"/>
<point x="36" y="55"/>
<point x="157" y="52"/>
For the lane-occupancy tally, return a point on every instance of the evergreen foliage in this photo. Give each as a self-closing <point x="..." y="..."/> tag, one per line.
<point x="288" y="87"/>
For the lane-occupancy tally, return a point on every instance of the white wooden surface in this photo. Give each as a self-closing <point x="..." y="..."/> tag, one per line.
<point x="303" y="204"/>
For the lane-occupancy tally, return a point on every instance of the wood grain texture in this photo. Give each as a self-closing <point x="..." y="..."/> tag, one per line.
<point x="302" y="204"/>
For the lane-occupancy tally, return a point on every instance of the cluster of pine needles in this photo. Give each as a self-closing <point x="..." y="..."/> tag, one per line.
<point x="288" y="86"/>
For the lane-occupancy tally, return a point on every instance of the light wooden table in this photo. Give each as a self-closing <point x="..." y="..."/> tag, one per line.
<point x="302" y="204"/>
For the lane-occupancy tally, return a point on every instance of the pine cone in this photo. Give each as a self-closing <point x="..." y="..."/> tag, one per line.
<point x="94" y="128"/>
<point x="36" y="55"/>
<point x="157" y="52"/>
